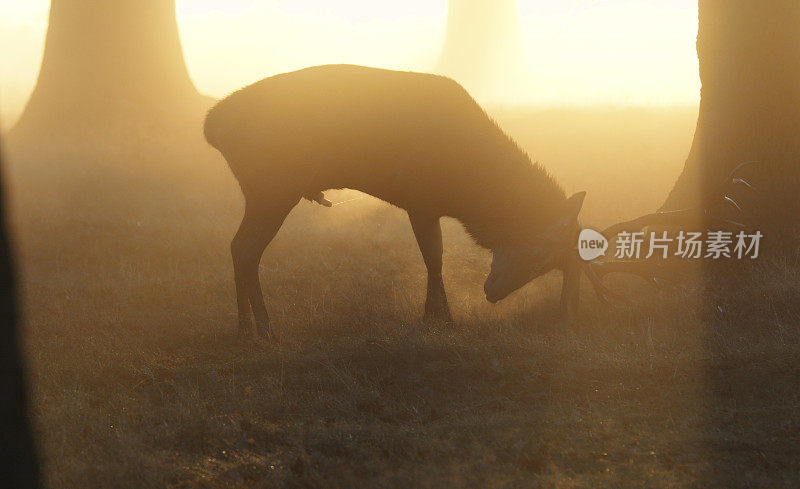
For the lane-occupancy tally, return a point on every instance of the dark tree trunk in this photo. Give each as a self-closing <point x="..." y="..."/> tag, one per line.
<point x="482" y="48"/>
<point x="749" y="55"/>
<point x="107" y="61"/>
<point x="18" y="463"/>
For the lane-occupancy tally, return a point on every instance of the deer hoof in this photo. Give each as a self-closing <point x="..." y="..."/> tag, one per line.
<point x="265" y="332"/>
<point x="245" y="330"/>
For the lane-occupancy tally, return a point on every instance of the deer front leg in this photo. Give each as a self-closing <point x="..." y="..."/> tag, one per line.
<point x="570" y="291"/>
<point x="257" y="229"/>
<point x="429" y="238"/>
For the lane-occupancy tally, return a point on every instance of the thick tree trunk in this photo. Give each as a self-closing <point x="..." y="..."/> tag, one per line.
<point x="106" y="61"/>
<point x="18" y="461"/>
<point x="749" y="55"/>
<point x="482" y="48"/>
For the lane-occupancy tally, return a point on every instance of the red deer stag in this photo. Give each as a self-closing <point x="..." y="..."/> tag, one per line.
<point x="417" y="141"/>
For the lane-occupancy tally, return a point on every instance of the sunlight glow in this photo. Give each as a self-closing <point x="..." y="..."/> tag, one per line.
<point x="619" y="52"/>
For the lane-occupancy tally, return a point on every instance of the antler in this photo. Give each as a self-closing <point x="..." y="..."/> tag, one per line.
<point x="657" y="271"/>
<point x="679" y="217"/>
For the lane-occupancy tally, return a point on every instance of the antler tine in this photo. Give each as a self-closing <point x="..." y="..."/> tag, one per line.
<point x="730" y="180"/>
<point x="728" y="222"/>
<point x="731" y="176"/>
<point x="732" y="202"/>
<point x="678" y="217"/>
<point x="666" y="218"/>
<point x="601" y="291"/>
<point x="733" y="179"/>
<point x="742" y="181"/>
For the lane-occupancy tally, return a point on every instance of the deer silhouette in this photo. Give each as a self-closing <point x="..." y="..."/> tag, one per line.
<point x="415" y="140"/>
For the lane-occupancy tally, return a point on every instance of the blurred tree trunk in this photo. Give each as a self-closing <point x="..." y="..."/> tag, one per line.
<point x="18" y="462"/>
<point x="749" y="54"/>
<point x="482" y="48"/>
<point x="104" y="61"/>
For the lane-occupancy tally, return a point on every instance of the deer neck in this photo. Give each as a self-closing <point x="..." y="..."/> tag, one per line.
<point x="518" y="199"/>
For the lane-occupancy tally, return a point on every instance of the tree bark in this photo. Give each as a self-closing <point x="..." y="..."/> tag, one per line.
<point x="482" y="48"/>
<point x="104" y="61"/>
<point x="749" y="55"/>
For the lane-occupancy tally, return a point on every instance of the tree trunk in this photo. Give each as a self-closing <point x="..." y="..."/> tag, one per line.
<point x="105" y="62"/>
<point x="18" y="461"/>
<point x="749" y="54"/>
<point x="482" y="48"/>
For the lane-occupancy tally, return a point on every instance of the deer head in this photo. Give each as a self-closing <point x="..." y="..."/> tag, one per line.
<point x="516" y="264"/>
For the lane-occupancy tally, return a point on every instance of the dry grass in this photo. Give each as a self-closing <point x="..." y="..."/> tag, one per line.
<point x="139" y="381"/>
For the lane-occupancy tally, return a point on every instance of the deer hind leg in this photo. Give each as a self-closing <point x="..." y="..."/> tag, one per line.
<point x="429" y="238"/>
<point x="257" y="229"/>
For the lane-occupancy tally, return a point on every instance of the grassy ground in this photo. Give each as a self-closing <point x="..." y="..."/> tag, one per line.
<point x="139" y="381"/>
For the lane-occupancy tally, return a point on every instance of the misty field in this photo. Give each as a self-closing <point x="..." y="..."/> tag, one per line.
<point x="138" y="378"/>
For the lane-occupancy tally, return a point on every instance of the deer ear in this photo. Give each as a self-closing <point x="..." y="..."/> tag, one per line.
<point x="573" y="206"/>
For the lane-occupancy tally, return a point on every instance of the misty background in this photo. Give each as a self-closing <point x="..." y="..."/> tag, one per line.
<point x="601" y="52"/>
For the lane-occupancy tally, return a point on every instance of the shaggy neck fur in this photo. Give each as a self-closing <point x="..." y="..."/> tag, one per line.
<point x="514" y="203"/>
